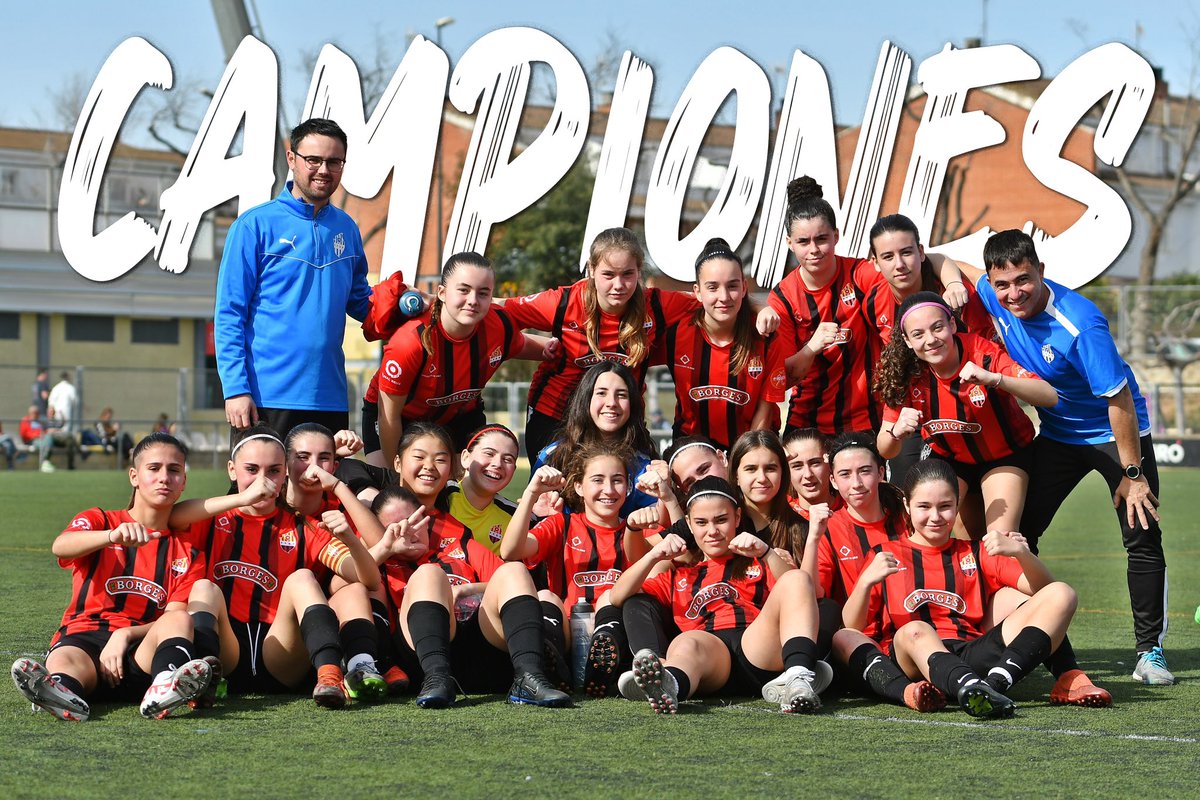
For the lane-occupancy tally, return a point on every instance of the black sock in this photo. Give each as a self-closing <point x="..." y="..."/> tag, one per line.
<point x="685" y="683"/>
<point x="386" y="646"/>
<point x="429" y="626"/>
<point x="521" y="618"/>
<point x="552" y="626"/>
<point x="644" y="620"/>
<point x="609" y="619"/>
<point x="170" y="655"/>
<point x="68" y="683"/>
<point x="1062" y="660"/>
<point x="358" y="637"/>
<point x="879" y="672"/>
<point x="319" y="629"/>
<point x="829" y="622"/>
<point x="799" y="651"/>
<point x="949" y="673"/>
<point x="205" y="639"/>
<point x="1028" y="648"/>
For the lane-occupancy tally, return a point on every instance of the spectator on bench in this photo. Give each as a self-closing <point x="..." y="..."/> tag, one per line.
<point x="44" y="435"/>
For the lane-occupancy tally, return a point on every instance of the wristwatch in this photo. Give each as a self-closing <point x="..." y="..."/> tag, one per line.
<point x="1133" y="471"/>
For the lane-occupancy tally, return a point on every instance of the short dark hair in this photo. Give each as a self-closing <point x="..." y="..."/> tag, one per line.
<point x="318" y="126"/>
<point x="1009" y="247"/>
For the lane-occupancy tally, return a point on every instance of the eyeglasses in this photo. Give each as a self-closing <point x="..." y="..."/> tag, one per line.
<point x="315" y="162"/>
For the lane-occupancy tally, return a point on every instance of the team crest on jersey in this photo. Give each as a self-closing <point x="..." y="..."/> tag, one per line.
<point x="81" y="524"/>
<point x="977" y="396"/>
<point x="753" y="572"/>
<point x="950" y="426"/>
<point x="848" y="297"/>
<point x="496" y="357"/>
<point x="726" y="393"/>
<point x="968" y="565"/>
<point x="455" y="552"/>
<point x="339" y="245"/>
<point x="1047" y="354"/>
<point x="288" y="541"/>
<point x="938" y="597"/>
<point x="754" y="368"/>
<point x="709" y="594"/>
<point x="131" y="584"/>
<point x="604" y="577"/>
<point x="391" y="369"/>
<point x="495" y="534"/>
<point x="179" y="566"/>
<point x="247" y="572"/>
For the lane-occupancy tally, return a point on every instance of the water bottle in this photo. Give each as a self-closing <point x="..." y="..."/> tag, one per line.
<point x="582" y="617"/>
<point x="411" y="303"/>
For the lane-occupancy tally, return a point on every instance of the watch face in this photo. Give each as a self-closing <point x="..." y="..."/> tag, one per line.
<point x="1133" y="472"/>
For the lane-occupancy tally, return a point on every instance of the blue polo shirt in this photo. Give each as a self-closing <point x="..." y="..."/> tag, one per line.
<point x="1069" y="345"/>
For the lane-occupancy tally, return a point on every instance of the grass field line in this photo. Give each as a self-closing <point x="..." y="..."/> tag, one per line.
<point x="991" y="726"/>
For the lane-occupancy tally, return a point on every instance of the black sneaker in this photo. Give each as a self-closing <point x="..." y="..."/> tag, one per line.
<point x="600" y="675"/>
<point x="438" y="690"/>
<point x="534" y="689"/>
<point x="979" y="699"/>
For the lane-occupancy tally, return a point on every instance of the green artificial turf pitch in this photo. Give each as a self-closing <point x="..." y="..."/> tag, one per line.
<point x="1148" y="744"/>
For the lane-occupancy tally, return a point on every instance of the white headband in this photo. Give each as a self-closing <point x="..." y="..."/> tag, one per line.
<point x="708" y="492"/>
<point x="252" y="438"/>
<point x="675" y="455"/>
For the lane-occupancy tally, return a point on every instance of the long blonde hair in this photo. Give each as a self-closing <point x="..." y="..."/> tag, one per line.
<point x="632" y="333"/>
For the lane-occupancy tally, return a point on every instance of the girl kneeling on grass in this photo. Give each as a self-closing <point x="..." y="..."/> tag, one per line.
<point x="434" y="566"/>
<point x="932" y="591"/>
<point x="744" y="613"/>
<point x="586" y="551"/>
<point x="126" y="630"/>
<point x="263" y="605"/>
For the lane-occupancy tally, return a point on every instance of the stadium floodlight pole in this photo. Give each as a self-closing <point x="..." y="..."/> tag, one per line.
<point x="441" y="23"/>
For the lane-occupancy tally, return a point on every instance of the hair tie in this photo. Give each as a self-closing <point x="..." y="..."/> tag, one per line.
<point x="675" y="455"/>
<point x="251" y="438"/>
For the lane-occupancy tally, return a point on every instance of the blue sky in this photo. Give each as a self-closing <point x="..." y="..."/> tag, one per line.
<point x="844" y="38"/>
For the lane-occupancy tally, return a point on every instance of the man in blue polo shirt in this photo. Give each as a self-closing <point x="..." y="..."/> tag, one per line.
<point x="1100" y="423"/>
<point x="292" y="269"/>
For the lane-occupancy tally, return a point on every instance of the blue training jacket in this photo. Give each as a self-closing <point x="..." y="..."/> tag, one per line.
<point x="287" y="281"/>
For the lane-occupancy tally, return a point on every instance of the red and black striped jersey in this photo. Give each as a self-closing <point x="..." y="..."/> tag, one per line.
<point x="561" y="313"/>
<point x="835" y="394"/>
<point x="466" y="560"/>
<point x="439" y="386"/>
<point x="707" y="597"/>
<point x="445" y="533"/>
<point x="881" y="306"/>
<point x="965" y="421"/>
<point x="845" y="549"/>
<point x="250" y="557"/>
<point x="947" y="587"/>
<point x="119" y="586"/>
<point x="582" y="560"/>
<point x="710" y="399"/>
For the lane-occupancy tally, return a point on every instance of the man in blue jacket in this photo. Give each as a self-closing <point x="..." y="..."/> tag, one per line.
<point x="1099" y="425"/>
<point x="291" y="271"/>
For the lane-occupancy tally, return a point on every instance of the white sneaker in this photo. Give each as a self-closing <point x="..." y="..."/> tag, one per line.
<point x="1152" y="669"/>
<point x="794" y="691"/>
<point x="34" y="681"/>
<point x="172" y="690"/>
<point x="628" y="687"/>
<point x="46" y="467"/>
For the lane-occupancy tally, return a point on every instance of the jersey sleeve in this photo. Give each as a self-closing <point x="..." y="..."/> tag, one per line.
<point x="1001" y="362"/>
<point x="1095" y="356"/>
<point x="535" y="310"/>
<point x="329" y="550"/>
<point x="401" y="361"/>
<point x="91" y="520"/>
<point x="659" y="587"/>
<point x="383" y="316"/>
<point x="825" y="565"/>
<point x="676" y="306"/>
<point x="890" y="413"/>
<point x="516" y="342"/>
<point x="237" y="283"/>
<point x="785" y="334"/>
<point x="358" y="299"/>
<point x="866" y="275"/>
<point x="775" y="384"/>
<point x="1000" y="570"/>
<point x="549" y="535"/>
<point x="483" y="561"/>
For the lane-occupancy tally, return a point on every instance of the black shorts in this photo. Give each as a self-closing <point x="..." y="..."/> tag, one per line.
<point x="251" y="674"/>
<point x="972" y="474"/>
<point x="134" y="683"/>
<point x="744" y="677"/>
<point x="980" y="654"/>
<point x="370" y="427"/>
<point x="539" y="431"/>
<point x="911" y="449"/>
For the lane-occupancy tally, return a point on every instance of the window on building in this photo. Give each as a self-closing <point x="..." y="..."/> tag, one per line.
<point x="155" y="331"/>
<point x="10" y="325"/>
<point x="89" y="328"/>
